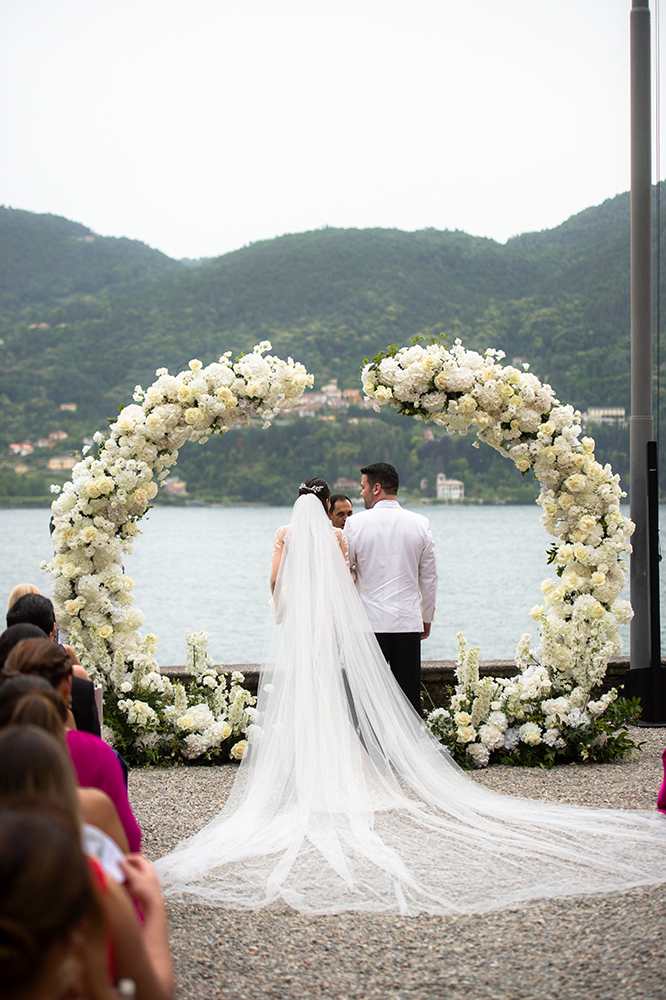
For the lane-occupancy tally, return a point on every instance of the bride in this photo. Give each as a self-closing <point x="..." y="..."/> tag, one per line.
<point x="345" y="801"/>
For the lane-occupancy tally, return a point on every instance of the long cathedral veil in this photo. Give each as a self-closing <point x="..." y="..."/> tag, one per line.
<point x="346" y="802"/>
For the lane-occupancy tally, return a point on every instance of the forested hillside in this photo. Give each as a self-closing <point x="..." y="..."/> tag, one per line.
<point x="83" y="318"/>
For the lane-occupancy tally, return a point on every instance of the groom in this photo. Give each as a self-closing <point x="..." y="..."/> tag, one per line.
<point x="393" y="554"/>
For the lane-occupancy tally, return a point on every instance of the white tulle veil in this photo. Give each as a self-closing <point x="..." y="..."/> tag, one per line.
<point x="346" y="802"/>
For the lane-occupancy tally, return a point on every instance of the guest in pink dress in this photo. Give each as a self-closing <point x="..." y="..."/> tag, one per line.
<point x="95" y="763"/>
<point x="97" y="766"/>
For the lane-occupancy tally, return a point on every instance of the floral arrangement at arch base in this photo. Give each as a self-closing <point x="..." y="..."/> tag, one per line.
<point x="95" y="517"/>
<point x="547" y="712"/>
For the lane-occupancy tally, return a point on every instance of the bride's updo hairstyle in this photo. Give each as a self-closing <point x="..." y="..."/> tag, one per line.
<point x="318" y="488"/>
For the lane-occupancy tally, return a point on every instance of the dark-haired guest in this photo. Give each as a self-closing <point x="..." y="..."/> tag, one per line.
<point x="31" y="701"/>
<point x="15" y="634"/>
<point x="35" y="609"/>
<point x="95" y="762"/>
<point x="53" y="942"/>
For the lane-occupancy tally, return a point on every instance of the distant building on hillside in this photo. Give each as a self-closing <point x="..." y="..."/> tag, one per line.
<point x="61" y="462"/>
<point x="344" y="485"/>
<point x="352" y="396"/>
<point x="332" y="397"/>
<point x="331" y="390"/>
<point x="25" y="448"/>
<point x="175" y="487"/>
<point x="605" y="415"/>
<point x="68" y="406"/>
<point x="450" y="489"/>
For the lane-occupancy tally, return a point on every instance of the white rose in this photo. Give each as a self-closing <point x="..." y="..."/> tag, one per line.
<point x="238" y="750"/>
<point x="383" y="394"/>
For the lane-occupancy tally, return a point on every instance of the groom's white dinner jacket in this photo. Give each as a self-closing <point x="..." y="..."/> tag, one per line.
<point x="393" y="553"/>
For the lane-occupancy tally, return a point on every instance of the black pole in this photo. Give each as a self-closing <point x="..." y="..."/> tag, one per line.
<point x="654" y="557"/>
<point x="645" y="678"/>
<point x="655" y="711"/>
<point x="649" y="683"/>
<point x="641" y="424"/>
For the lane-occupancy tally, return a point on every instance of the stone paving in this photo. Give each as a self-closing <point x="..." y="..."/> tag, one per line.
<point x="590" y="948"/>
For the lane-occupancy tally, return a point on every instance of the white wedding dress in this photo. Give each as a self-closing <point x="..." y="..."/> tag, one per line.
<point x="346" y="802"/>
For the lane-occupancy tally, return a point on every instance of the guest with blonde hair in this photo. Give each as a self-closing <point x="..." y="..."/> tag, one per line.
<point x="20" y="590"/>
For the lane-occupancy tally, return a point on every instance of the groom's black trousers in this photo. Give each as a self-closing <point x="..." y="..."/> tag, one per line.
<point x="402" y="651"/>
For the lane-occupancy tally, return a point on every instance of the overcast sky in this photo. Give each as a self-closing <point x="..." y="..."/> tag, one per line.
<point x="199" y="126"/>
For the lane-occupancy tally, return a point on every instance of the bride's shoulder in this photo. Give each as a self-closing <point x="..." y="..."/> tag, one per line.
<point x="280" y="534"/>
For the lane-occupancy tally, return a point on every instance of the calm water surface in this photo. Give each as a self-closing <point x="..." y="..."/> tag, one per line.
<point x="207" y="568"/>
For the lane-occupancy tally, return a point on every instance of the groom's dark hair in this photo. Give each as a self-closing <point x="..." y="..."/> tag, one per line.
<point x="384" y="474"/>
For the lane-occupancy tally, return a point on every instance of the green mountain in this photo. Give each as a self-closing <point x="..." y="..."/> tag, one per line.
<point x="45" y="257"/>
<point x="83" y="318"/>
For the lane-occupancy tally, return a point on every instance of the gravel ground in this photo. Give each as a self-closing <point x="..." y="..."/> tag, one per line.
<point x="593" y="948"/>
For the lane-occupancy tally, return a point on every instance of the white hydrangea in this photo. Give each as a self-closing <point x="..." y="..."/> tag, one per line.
<point x="95" y="517"/>
<point x="530" y="733"/>
<point x="480" y="753"/>
<point x="491" y="736"/>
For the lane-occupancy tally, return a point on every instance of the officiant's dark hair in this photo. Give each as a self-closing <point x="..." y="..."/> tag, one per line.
<point x="384" y="474"/>
<point x="318" y="488"/>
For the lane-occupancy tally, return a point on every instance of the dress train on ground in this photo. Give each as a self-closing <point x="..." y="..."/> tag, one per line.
<point x="346" y="802"/>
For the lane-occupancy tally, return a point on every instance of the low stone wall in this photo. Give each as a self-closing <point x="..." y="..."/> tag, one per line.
<point x="437" y="676"/>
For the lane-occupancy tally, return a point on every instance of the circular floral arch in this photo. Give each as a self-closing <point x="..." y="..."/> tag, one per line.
<point x="548" y="706"/>
<point x="95" y="522"/>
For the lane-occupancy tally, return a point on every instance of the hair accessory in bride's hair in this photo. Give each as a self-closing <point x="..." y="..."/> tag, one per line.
<point x="314" y="489"/>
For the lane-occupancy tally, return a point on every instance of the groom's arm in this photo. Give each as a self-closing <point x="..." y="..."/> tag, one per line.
<point x="428" y="582"/>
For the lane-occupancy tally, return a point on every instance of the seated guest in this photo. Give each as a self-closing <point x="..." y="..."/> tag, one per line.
<point x="52" y="926"/>
<point x="11" y="636"/>
<point x="26" y="753"/>
<point x="20" y="590"/>
<point x="36" y="609"/>
<point x="40" y="613"/>
<point x="340" y="509"/>
<point x="95" y="762"/>
<point x="28" y="700"/>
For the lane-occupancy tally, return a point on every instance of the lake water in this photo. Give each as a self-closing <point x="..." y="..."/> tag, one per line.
<point x="206" y="568"/>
